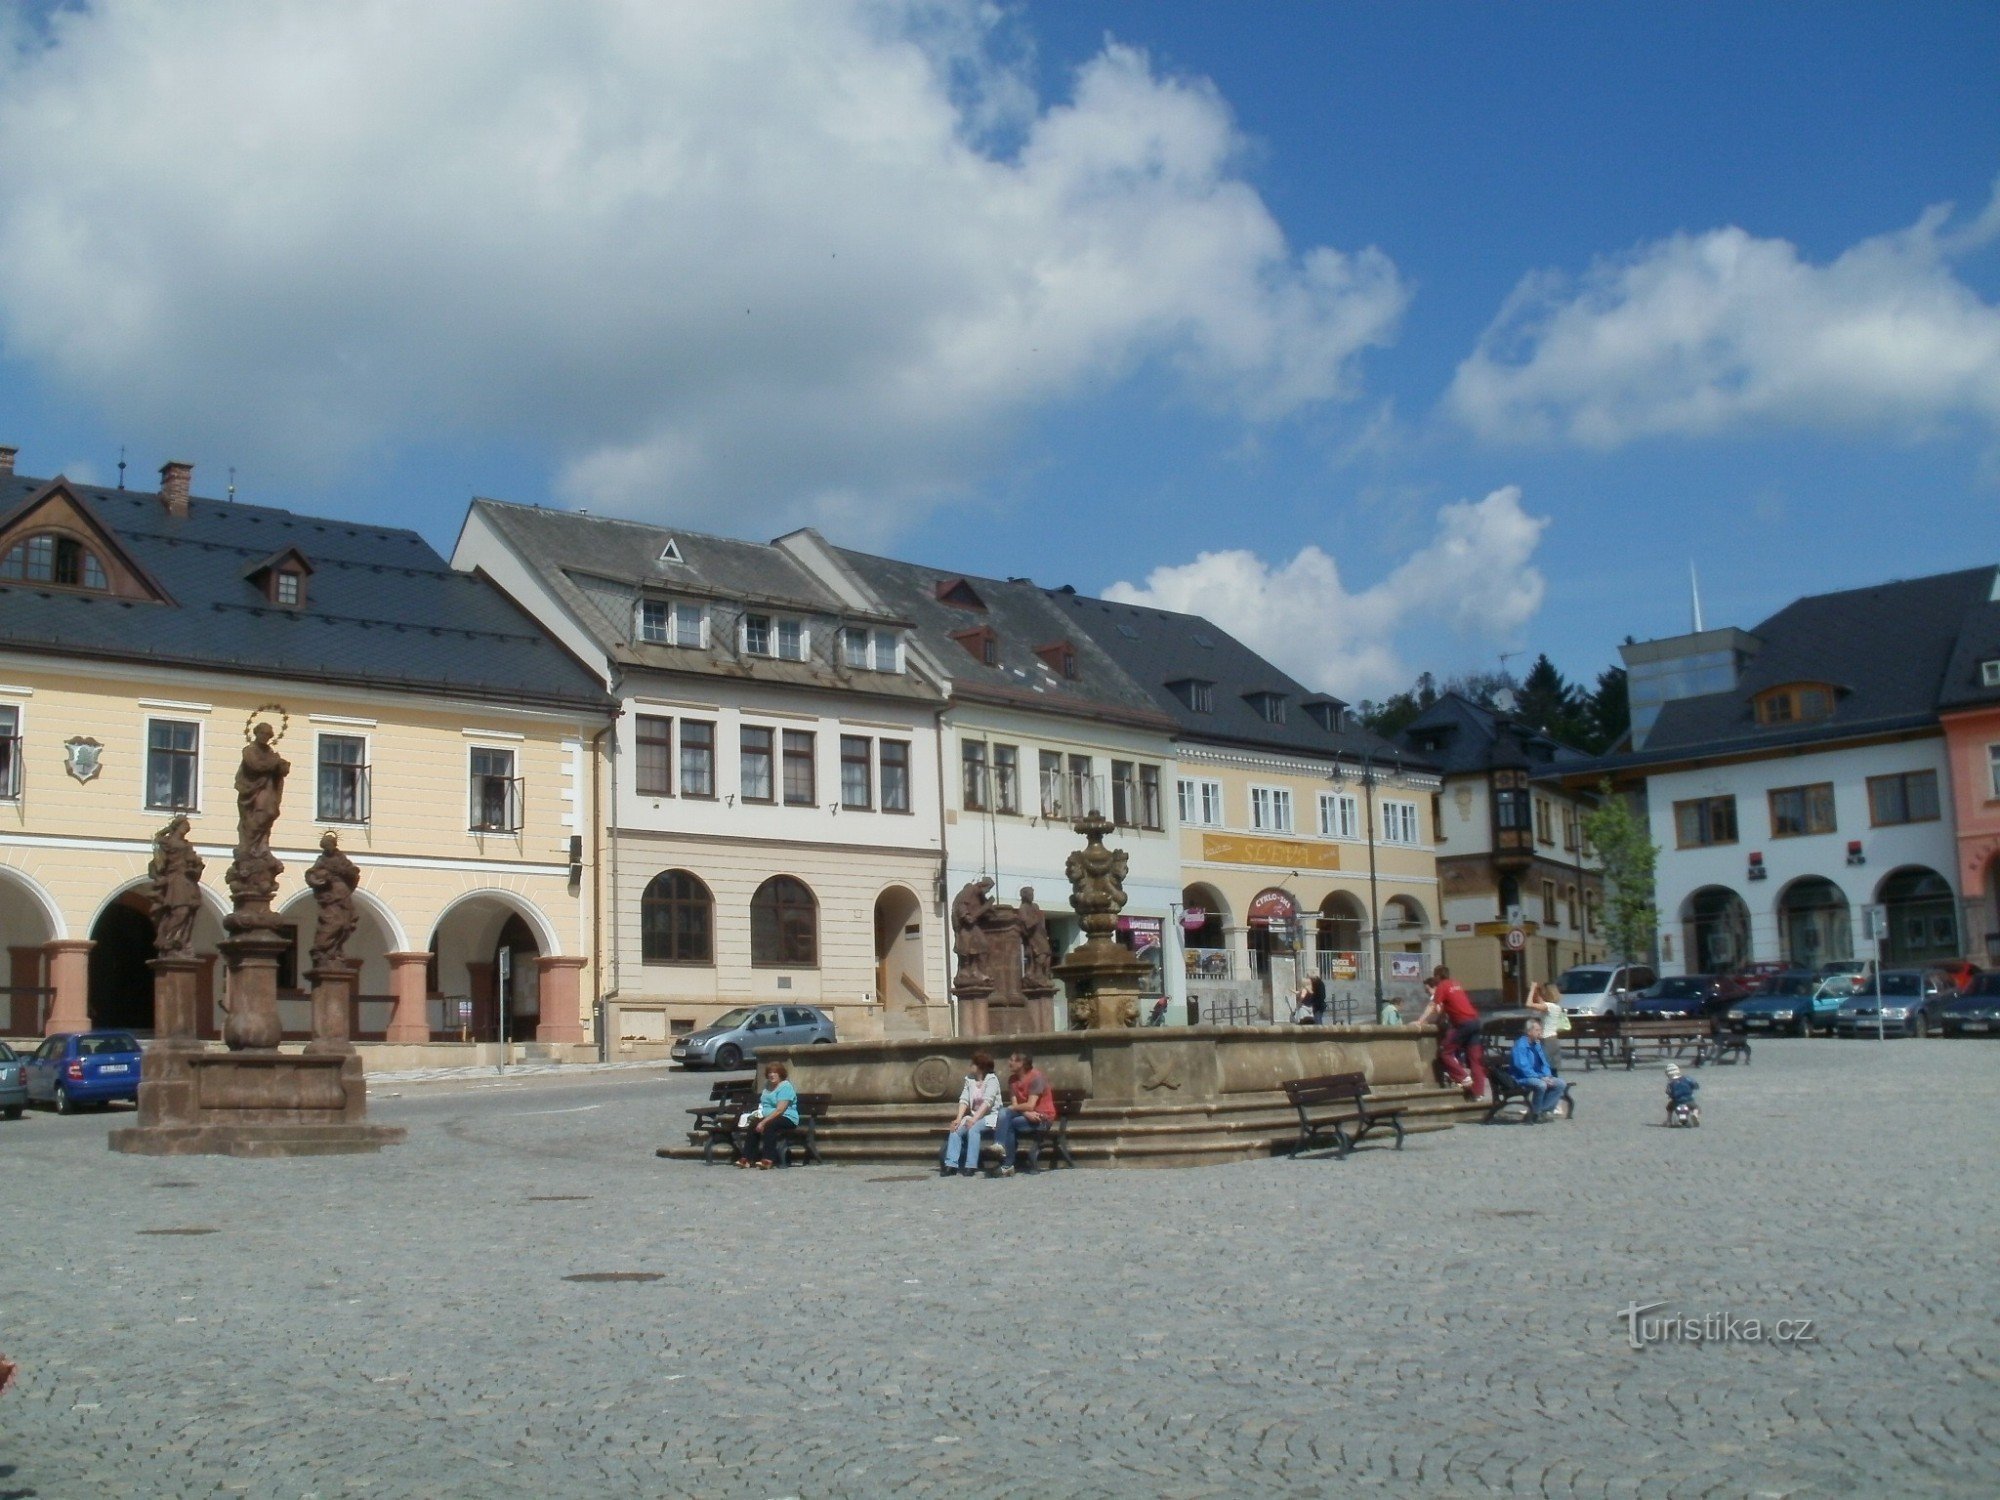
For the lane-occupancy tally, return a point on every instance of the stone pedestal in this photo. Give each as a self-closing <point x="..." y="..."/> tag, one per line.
<point x="253" y="991"/>
<point x="253" y="1104"/>
<point x="562" y="1007"/>
<point x="332" y="1008"/>
<point x="1041" y="1007"/>
<point x="177" y="991"/>
<point x="1104" y="979"/>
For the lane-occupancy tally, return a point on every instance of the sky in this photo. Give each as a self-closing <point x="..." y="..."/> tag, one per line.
<point x="1392" y="338"/>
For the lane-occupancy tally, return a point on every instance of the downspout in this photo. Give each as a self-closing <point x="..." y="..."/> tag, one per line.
<point x="607" y="914"/>
<point x="944" y="873"/>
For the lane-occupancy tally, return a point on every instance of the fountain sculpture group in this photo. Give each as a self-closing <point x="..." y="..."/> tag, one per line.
<point x="252" y="1100"/>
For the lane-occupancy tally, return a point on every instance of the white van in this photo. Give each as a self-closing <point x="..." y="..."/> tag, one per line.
<point x="1602" y="989"/>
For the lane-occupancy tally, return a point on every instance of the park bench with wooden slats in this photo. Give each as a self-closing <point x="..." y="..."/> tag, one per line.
<point x="1668" y="1035"/>
<point x="1053" y="1134"/>
<point x="1333" y="1110"/>
<point x="1591" y="1040"/>
<point x="714" y="1123"/>
<point x="1507" y="1088"/>
<point x="812" y="1110"/>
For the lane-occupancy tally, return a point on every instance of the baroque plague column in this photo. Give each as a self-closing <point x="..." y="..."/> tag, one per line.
<point x="252" y="1100"/>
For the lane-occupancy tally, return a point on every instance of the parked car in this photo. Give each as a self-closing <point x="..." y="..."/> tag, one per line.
<point x="1960" y="971"/>
<point x="1857" y="971"/>
<point x="732" y="1039"/>
<point x="75" y="1068"/>
<point x="13" y="1091"/>
<point x="1602" y="989"/>
<point x="1799" y="1002"/>
<point x="1976" y="1012"/>
<point x="1911" y="1002"/>
<point x="1687" y="995"/>
<point x="1755" y="974"/>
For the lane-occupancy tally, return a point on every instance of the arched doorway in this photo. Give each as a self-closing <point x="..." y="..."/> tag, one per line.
<point x="1342" y="937"/>
<point x="485" y="955"/>
<point x="1715" y="930"/>
<point x="1922" y="917"/>
<point x="519" y="979"/>
<point x="25" y="926"/>
<point x="1813" y="924"/>
<point x="1205" y="945"/>
<point x="121" y="986"/>
<point x="899" y="963"/>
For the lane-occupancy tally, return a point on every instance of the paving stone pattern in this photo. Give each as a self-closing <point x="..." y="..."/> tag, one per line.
<point x="1439" y="1321"/>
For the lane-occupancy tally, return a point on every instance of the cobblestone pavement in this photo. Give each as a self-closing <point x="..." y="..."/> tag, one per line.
<point x="1440" y="1321"/>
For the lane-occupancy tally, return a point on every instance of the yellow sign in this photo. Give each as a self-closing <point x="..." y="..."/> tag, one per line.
<point x="1281" y="854"/>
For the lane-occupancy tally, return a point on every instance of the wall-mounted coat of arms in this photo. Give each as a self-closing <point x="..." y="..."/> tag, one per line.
<point x="83" y="757"/>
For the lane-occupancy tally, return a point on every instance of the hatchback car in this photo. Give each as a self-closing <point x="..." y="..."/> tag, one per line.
<point x="1912" y="1000"/>
<point x="1686" y="995"/>
<point x="1601" y="989"/>
<point x="1798" y="1002"/>
<point x="732" y="1039"/>
<point x="13" y="1091"/>
<point x="1976" y="1012"/>
<point x="75" y="1068"/>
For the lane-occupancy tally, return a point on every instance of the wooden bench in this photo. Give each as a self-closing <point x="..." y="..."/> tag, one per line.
<point x="1334" y="1110"/>
<point x="1053" y="1134"/>
<point x="1507" y="1087"/>
<point x="1731" y="1043"/>
<point x="1669" y="1036"/>
<point x="1591" y="1040"/>
<point x="714" y="1123"/>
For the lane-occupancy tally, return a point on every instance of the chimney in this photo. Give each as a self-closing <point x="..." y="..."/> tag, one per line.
<point x="174" y="481"/>
<point x="7" y="460"/>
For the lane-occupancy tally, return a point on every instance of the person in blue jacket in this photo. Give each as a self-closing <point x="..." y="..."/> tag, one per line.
<point x="1531" y="1067"/>
<point x="1680" y="1093"/>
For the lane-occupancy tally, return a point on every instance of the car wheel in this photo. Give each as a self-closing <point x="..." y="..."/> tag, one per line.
<point x="730" y="1056"/>
<point x="822" y="1041"/>
<point x="63" y="1104"/>
<point x="13" y="1111"/>
<point x="1920" y="1026"/>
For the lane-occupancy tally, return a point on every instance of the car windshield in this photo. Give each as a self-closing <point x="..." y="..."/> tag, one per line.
<point x="7" y="1053"/>
<point x="115" y="1041"/>
<point x="1791" y="984"/>
<point x="1677" y="989"/>
<point x="1987" y="985"/>
<point x="1584" y="981"/>
<point x="1835" y="984"/>
<point x="1894" y="984"/>
<point x="729" y="1020"/>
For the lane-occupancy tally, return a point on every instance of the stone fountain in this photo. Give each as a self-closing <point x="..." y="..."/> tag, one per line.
<point x="1103" y="976"/>
<point x="252" y="1100"/>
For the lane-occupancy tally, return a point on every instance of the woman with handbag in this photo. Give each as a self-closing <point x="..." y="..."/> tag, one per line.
<point x="978" y="1112"/>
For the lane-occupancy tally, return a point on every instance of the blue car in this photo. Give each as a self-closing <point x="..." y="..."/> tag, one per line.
<point x="75" y="1068"/>
<point x="13" y="1092"/>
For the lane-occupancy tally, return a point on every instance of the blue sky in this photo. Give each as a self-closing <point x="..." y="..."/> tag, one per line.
<point x="1394" y="337"/>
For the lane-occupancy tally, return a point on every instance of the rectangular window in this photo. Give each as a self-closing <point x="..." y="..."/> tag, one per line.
<point x="496" y="791"/>
<point x="1052" y="784"/>
<point x="1569" y="828"/>
<point x="855" y="790"/>
<point x="286" y="589"/>
<point x="854" y="647"/>
<point x="1271" y="809"/>
<point x="799" y="779"/>
<point x="1399" y="823"/>
<point x="1548" y="903"/>
<point x="885" y="651"/>
<point x="1124" y="793"/>
<point x="690" y="622"/>
<point x="972" y="775"/>
<point x="757" y="634"/>
<point x="754" y="757"/>
<point x="697" y="758"/>
<point x="1339" y="815"/>
<point x="1083" y="797"/>
<point x="1510" y="809"/>
<point x="173" y="771"/>
<point x="895" y="775"/>
<point x="343" y="778"/>
<point x="10" y="752"/>
<point x="1798" y="810"/>
<point x="1007" y="778"/>
<point x="1993" y="769"/>
<point x="1705" y="821"/>
<point x="655" y="760"/>
<point x="791" y="641"/>
<point x="1150" y="811"/>
<point x="1911" y="797"/>
<point x="655" y="621"/>
<point x="1544" y="832"/>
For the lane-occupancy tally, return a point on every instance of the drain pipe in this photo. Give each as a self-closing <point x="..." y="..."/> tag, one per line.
<point x="608" y="950"/>
<point x="942" y="922"/>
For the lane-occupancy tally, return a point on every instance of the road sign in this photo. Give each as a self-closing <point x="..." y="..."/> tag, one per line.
<point x="1516" y="940"/>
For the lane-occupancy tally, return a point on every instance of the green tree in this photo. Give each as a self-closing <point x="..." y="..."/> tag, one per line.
<point x="1551" y="703"/>
<point x="1617" y="830"/>
<point x="1608" y="712"/>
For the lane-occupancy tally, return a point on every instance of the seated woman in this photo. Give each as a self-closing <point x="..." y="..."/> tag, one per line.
<point x="978" y="1111"/>
<point x="777" y="1116"/>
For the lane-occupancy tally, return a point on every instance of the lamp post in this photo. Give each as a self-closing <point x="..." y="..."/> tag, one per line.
<point x="1374" y="901"/>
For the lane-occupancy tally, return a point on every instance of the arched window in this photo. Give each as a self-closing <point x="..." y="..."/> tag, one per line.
<point x="54" y="558"/>
<point x="676" y="920"/>
<point x="784" y="925"/>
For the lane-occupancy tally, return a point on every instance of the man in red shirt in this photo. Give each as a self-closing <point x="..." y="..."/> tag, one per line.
<point x="1459" y="1050"/>
<point x="1031" y="1107"/>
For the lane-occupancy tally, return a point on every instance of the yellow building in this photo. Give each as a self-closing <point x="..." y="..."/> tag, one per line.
<point x="432" y="726"/>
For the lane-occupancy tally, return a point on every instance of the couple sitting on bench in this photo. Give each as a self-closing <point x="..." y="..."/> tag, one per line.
<point x="1031" y="1112"/>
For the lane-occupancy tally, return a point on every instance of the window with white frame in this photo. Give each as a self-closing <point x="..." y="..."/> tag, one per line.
<point x="866" y="650"/>
<point x="10" y="751"/>
<point x="791" y="640"/>
<point x="668" y="622"/>
<point x="757" y="635"/>
<point x="1339" y="815"/>
<point x="343" y="778"/>
<point x="1201" y="803"/>
<point x="496" y="791"/>
<point x="1399" y="822"/>
<point x="1271" y="809"/>
<point x="173" y="765"/>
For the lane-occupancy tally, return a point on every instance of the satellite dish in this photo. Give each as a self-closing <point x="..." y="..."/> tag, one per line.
<point x="1505" y="701"/>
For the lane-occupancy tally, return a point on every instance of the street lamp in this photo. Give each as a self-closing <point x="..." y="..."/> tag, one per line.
<point x="1374" y="901"/>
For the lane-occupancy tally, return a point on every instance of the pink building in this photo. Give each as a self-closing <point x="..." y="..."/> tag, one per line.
<point x="1969" y="707"/>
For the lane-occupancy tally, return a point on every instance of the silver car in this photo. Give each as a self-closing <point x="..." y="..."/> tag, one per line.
<point x="732" y="1038"/>
<point x="13" y="1088"/>
<point x="1911" y="1000"/>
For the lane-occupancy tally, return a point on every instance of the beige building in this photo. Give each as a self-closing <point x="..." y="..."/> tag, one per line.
<point x="443" y="737"/>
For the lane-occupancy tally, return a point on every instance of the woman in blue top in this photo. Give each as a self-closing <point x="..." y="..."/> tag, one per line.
<point x="777" y="1116"/>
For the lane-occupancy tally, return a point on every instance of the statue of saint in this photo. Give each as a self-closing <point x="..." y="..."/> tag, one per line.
<point x="176" y="874"/>
<point x="260" y="787"/>
<point x="1036" y="955"/>
<point x="969" y="940"/>
<point x="332" y="879"/>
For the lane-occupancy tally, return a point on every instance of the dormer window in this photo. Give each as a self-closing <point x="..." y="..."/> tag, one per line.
<point x="1270" y="707"/>
<point x="288" y="587"/>
<point x="865" y="650"/>
<point x="1325" y="712"/>
<point x="959" y="594"/>
<point x="757" y="634"/>
<point x="281" y="578"/>
<point x="767" y="635"/>
<point x="672" y="622"/>
<point x="1795" y="703"/>
<point x="1197" y="694"/>
<point x="983" y="643"/>
<point x="54" y="558"/>
<point x="1989" y="672"/>
<point x="1060" y="657"/>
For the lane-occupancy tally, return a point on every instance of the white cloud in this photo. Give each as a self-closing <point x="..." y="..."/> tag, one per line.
<point x="786" y="259"/>
<point x="1698" y="333"/>
<point x="1476" y="575"/>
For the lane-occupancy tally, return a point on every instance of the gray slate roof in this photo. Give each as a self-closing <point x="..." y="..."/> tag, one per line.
<point x="600" y="567"/>
<point x="1023" y="620"/>
<point x="1978" y="642"/>
<point x="382" y="609"/>
<point x="1157" y="647"/>
<point x="1464" y="738"/>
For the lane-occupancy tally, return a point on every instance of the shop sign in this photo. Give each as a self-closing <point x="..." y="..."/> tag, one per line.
<point x="1273" y="908"/>
<point x="1142" y="933"/>
<point x="1194" y="918"/>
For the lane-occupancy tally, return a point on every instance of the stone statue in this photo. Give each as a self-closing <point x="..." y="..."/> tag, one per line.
<point x="969" y="938"/>
<point x="1102" y="974"/>
<point x="176" y="875"/>
<point x="1036" y="954"/>
<point x="260" y="788"/>
<point x="332" y="879"/>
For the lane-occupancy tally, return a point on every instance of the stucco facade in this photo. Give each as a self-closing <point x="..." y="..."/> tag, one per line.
<point x="1972" y="741"/>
